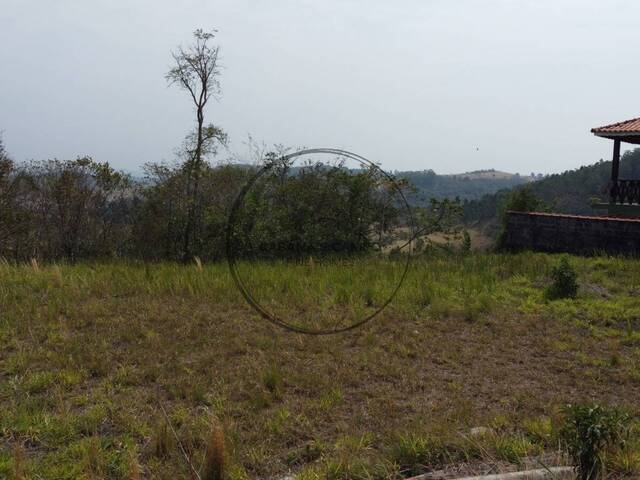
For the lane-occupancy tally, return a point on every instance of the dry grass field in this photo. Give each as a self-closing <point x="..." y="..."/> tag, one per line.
<point x="90" y="354"/>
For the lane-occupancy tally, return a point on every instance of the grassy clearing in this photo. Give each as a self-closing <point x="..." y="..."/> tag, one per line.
<point x="88" y="352"/>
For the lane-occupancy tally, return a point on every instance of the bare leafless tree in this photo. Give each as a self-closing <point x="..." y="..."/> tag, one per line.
<point x="196" y="71"/>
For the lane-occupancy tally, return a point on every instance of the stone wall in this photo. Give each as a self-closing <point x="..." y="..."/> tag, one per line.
<point x="550" y="232"/>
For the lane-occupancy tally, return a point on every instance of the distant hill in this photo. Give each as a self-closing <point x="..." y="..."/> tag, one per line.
<point x="466" y="186"/>
<point x="493" y="174"/>
<point x="428" y="184"/>
<point x="567" y="192"/>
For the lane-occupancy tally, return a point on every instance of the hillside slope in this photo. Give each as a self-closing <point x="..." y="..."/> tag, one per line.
<point x="567" y="192"/>
<point x="467" y="186"/>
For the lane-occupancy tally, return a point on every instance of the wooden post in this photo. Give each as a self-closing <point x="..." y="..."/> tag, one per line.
<point x="615" y="165"/>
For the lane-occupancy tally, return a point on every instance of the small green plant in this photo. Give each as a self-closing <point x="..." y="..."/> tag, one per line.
<point x="564" y="283"/>
<point x="589" y="432"/>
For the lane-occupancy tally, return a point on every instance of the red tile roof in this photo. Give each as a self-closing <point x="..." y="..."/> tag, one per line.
<point x="628" y="126"/>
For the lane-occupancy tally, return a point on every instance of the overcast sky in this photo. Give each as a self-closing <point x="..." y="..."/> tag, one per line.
<point x="450" y="85"/>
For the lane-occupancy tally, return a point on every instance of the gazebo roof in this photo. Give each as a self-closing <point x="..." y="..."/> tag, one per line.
<point x="627" y="131"/>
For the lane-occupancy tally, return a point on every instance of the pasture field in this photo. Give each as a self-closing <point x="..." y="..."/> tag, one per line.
<point x="91" y="354"/>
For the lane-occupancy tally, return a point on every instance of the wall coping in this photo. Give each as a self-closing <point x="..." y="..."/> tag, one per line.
<point x="575" y="217"/>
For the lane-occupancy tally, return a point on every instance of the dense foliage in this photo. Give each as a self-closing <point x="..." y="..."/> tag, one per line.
<point x="318" y="209"/>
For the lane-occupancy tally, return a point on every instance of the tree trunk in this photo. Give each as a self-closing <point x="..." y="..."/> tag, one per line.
<point x="192" y="193"/>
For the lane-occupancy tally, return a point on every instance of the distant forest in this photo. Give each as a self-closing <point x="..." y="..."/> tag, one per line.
<point x="567" y="192"/>
<point x="468" y="186"/>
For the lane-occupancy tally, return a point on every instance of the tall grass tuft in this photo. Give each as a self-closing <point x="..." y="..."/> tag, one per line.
<point x="93" y="459"/>
<point x="198" y="263"/>
<point x="413" y="453"/>
<point x="162" y="441"/>
<point x="215" y="460"/>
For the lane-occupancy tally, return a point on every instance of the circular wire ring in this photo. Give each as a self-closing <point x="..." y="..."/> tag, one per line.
<point x="231" y="254"/>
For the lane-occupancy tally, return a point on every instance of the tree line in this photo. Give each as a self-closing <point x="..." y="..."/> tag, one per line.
<point x="84" y="209"/>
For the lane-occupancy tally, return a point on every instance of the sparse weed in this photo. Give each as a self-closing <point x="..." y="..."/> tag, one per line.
<point x="331" y="398"/>
<point x="310" y="452"/>
<point x="272" y="380"/>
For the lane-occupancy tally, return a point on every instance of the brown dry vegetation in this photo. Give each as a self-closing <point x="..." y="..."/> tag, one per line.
<point x="89" y="351"/>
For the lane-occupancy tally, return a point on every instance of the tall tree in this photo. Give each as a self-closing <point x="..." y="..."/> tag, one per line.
<point x="196" y="71"/>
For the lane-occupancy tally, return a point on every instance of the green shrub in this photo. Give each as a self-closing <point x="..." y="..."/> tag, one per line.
<point x="589" y="431"/>
<point x="564" y="283"/>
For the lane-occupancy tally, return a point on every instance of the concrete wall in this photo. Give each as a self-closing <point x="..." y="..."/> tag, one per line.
<point x="548" y="232"/>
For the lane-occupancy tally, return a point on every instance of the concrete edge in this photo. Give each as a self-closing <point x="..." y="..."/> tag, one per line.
<point x="552" y="473"/>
